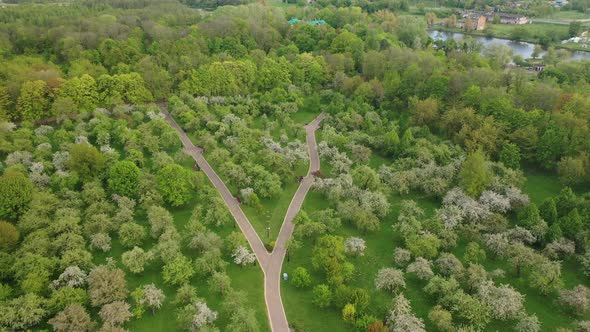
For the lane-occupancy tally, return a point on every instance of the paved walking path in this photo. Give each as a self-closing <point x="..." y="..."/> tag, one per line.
<point x="270" y="263"/>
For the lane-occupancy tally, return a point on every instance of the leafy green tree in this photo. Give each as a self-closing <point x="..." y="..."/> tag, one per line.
<point x="273" y="74"/>
<point x="322" y="296"/>
<point x="5" y="103"/>
<point x="178" y="271"/>
<point x="8" y="235"/>
<point x="219" y="283"/>
<point x="63" y="297"/>
<point x="574" y="28"/>
<point x="122" y="88"/>
<point x="423" y="245"/>
<point x="391" y="142"/>
<point x="470" y="309"/>
<point x="23" y="312"/>
<point x="243" y="320"/>
<point x="473" y="253"/>
<point x="34" y="100"/>
<point x="365" y="177"/>
<point x="82" y="91"/>
<point x="474" y="175"/>
<point x="124" y="178"/>
<point x="349" y="313"/>
<point x="348" y="42"/>
<point x="176" y="184"/>
<point x="301" y="277"/>
<point x="16" y="193"/>
<point x="571" y="224"/>
<point x="548" y="211"/>
<point x="550" y="147"/>
<point x="86" y="161"/>
<point x="510" y="155"/>
<point x="136" y="259"/>
<point x="132" y="234"/>
<point x="574" y="170"/>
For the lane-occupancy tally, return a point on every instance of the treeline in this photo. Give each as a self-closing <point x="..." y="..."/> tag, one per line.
<point x="376" y="61"/>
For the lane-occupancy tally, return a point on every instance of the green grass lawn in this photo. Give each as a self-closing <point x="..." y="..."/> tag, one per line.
<point x="540" y="186"/>
<point x="273" y="211"/>
<point x="303" y="118"/>
<point x="568" y="15"/>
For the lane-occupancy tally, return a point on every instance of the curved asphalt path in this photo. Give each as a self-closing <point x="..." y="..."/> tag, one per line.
<point x="270" y="263"/>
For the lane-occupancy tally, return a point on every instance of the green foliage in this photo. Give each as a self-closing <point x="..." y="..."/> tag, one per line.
<point x="474" y="175"/>
<point x="82" y="91"/>
<point x="123" y="88"/>
<point x="16" y="193"/>
<point x="423" y="245"/>
<point x="178" y="271"/>
<point x="86" y="161"/>
<point x="473" y="253"/>
<point x="22" y="312"/>
<point x="301" y="277"/>
<point x="571" y="224"/>
<point x="510" y="156"/>
<point x="176" y="184"/>
<point x="574" y="171"/>
<point x="124" y="178"/>
<point x="322" y="296"/>
<point x="65" y="296"/>
<point x="33" y="102"/>
<point x="349" y="313"/>
<point x="548" y="211"/>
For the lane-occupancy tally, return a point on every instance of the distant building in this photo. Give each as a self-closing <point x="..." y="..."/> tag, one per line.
<point x="505" y="18"/>
<point x="559" y="3"/>
<point x="539" y="67"/>
<point x="511" y="18"/>
<point x="481" y="23"/>
<point x="312" y="22"/>
<point x="473" y="23"/>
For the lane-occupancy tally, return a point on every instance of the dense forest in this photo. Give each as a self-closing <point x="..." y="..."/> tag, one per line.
<point x="453" y="193"/>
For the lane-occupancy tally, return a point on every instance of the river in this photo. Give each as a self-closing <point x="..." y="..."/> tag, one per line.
<point x="521" y="48"/>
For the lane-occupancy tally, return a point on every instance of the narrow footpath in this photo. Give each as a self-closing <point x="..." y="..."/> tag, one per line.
<point x="270" y="263"/>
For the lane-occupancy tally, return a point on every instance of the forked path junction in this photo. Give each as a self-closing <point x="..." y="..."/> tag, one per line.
<point x="270" y="263"/>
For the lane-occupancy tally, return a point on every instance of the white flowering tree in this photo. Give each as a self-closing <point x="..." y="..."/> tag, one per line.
<point x="390" y="280"/>
<point x="401" y="318"/>
<point x="450" y="215"/>
<point x="354" y="246"/>
<point x="153" y="297"/>
<point x="136" y="259"/>
<point x="576" y="301"/>
<point x="448" y="265"/>
<point x="560" y="248"/>
<point x="100" y="241"/>
<point x="494" y="201"/>
<point x="115" y="313"/>
<point x="72" y="276"/>
<point x="242" y="256"/>
<point x="203" y="316"/>
<point x="401" y="256"/>
<point x="527" y="323"/>
<point x="504" y="301"/>
<point x="422" y="268"/>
